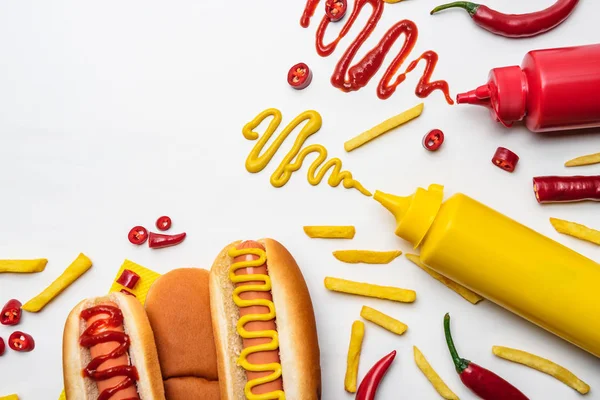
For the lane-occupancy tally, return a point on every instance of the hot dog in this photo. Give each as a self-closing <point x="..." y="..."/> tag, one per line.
<point x="264" y="325"/>
<point x="109" y="351"/>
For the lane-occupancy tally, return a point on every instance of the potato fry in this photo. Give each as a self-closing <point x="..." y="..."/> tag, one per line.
<point x="366" y="256"/>
<point x="584" y="160"/>
<point x="70" y="275"/>
<point x="369" y="290"/>
<point x="10" y="397"/>
<point x="383" y="320"/>
<point x="330" y="232"/>
<point x="383" y="127"/>
<point x="467" y="294"/>
<point x="438" y="384"/>
<point x="356" y="339"/>
<point x="542" y="365"/>
<point x="23" y="266"/>
<point x="147" y="278"/>
<point x="576" y="230"/>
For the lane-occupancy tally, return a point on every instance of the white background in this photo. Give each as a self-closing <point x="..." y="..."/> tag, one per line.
<point x="113" y="113"/>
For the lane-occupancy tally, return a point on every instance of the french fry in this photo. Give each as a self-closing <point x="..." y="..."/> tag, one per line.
<point x="542" y="365"/>
<point x="356" y="339"/>
<point x="366" y="256"/>
<point x="576" y="230"/>
<point x="467" y="294"/>
<point x="10" y="397"/>
<point x="370" y="290"/>
<point x="330" y="232"/>
<point x="23" y="266"/>
<point x="584" y="160"/>
<point x="383" y="320"/>
<point x="438" y="384"/>
<point x="383" y="127"/>
<point x="70" y="275"/>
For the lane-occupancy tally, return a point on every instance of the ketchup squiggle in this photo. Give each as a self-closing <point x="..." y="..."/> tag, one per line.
<point x="360" y="74"/>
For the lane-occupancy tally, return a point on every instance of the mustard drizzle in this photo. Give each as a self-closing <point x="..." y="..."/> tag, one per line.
<point x="274" y="344"/>
<point x="294" y="159"/>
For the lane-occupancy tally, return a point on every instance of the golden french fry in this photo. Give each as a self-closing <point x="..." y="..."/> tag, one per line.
<point x="23" y="266"/>
<point x="467" y="294"/>
<point x="147" y="278"/>
<point x="584" y="160"/>
<point x="383" y="320"/>
<point x="383" y="127"/>
<point x="366" y="256"/>
<point x="70" y="275"/>
<point x="437" y="382"/>
<point x="370" y="290"/>
<point x="330" y="232"/>
<point x="10" y="397"/>
<point x="356" y="339"/>
<point x="542" y="365"/>
<point x="576" y="230"/>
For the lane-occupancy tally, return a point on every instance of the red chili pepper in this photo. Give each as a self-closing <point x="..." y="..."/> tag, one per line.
<point x="128" y="279"/>
<point x="2" y="346"/>
<point x="505" y="159"/>
<point x="127" y="292"/>
<point x="20" y="341"/>
<point x="138" y="235"/>
<point x="163" y="223"/>
<point x="564" y="189"/>
<point x="11" y="313"/>
<point x="335" y="9"/>
<point x="484" y="383"/>
<point x="299" y="76"/>
<point x="515" y="25"/>
<point x="158" y="240"/>
<point x="370" y="383"/>
<point x="433" y="140"/>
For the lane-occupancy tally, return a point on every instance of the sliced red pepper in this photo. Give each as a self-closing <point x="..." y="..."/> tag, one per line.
<point x="299" y="76"/>
<point x="21" y="341"/>
<point x="11" y="313"/>
<point x="433" y="140"/>
<point x="2" y="346"/>
<point x="128" y="279"/>
<point x="505" y="159"/>
<point x="163" y="223"/>
<point x="158" y="240"/>
<point x="138" y="235"/>
<point x="370" y="383"/>
<point x="335" y="9"/>
<point x="127" y="292"/>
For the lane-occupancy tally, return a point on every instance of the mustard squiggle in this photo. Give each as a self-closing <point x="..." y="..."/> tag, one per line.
<point x="274" y="344"/>
<point x="293" y="160"/>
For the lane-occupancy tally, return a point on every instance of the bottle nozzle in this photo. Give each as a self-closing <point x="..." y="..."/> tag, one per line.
<point x="479" y="96"/>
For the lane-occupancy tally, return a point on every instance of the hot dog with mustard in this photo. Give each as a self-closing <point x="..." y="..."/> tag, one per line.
<point x="264" y="325"/>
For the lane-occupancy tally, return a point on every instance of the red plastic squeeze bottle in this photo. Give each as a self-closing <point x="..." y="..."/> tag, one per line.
<point x="554" y="90"/>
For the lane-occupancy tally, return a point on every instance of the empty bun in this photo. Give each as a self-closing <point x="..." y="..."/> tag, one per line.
<point x="298" y="342"/>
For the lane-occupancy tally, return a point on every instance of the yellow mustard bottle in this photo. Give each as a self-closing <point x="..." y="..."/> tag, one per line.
<point x="504" y="261"/>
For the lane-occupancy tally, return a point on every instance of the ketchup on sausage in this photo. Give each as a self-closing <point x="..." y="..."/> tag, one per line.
<point x="263" y="357"/>
<point x="103" y="349"/>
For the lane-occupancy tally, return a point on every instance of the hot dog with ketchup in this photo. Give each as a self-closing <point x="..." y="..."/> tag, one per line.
<point x="264" y="325"/>
<point x="109" y="351"/>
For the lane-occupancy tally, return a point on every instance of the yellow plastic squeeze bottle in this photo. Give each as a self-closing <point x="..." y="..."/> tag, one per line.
<point x="512" y="265"/>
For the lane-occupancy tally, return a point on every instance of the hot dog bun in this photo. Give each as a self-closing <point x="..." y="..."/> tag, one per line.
<point x="179" y="311"/>
<point x="142" y="351"/>
<point x="296" y="327"/>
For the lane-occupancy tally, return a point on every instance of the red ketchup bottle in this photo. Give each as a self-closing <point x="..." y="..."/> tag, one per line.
<point x="554" y="90"/>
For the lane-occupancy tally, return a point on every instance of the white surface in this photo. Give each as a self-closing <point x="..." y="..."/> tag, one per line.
<point x="113" y="113"/>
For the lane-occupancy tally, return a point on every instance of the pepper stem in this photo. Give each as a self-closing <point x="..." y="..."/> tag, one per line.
<point x="467" y="5"/>
<point x="459" y="363"/>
